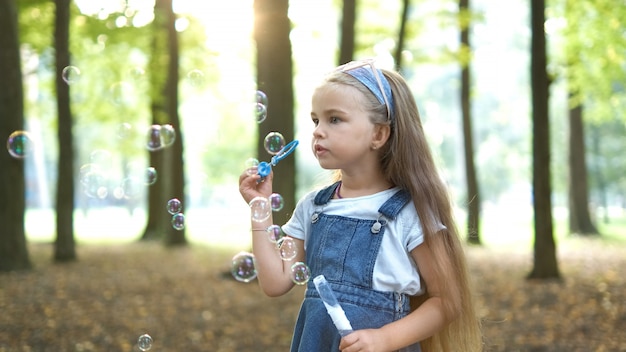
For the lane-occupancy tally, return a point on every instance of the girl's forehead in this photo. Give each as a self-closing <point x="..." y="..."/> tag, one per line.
<point x="337" y="90"/>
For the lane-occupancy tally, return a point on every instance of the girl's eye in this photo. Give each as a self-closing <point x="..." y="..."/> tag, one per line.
<point x="334" y="120"/>
<point x="315" y="122"/>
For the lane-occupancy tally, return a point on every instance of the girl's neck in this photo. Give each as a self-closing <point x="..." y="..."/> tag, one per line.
<point x="347" y="189"/>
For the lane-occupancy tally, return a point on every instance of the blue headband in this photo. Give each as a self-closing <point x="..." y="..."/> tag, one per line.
<point x="365" y="75"/>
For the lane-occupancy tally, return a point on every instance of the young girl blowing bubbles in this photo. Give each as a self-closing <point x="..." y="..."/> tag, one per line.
<point x="383" y="234"/>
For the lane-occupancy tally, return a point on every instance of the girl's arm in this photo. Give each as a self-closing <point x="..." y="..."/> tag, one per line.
<point x="273" y="273"/>
<point x="420" y="324"/>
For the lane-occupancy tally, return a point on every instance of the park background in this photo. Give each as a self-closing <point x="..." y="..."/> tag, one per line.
<point x="581" y="309"/>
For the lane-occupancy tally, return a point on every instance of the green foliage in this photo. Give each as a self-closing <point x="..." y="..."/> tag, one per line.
<point x="592" y="51"/>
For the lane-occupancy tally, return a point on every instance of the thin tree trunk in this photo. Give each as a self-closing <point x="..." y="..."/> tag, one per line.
<point x="64" y="246"/>
<point x="473" y="195"/>
<point x="13" y="249"/>
<point x="545" y="262"/>
<point x="402" y="33"/>
<point x="579" y="217"/>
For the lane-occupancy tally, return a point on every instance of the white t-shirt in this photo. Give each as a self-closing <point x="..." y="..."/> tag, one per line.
<point x="394" y="270"/>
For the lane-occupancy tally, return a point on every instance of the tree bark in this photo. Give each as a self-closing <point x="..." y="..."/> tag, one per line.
<point x="348" y="20"/>
<point x="545" y="262"/>
<point x="579" y="217"/>
<point x="473" y="195"/>
<point x="64" y="246"/>
<point x="275" y="79"/>
<point x="13" y="249"/>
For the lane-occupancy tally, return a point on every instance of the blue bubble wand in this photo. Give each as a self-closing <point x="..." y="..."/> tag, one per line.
<point x="265" y="168"/>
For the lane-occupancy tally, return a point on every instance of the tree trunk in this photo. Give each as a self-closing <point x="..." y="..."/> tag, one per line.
<point x="64" y="247"/>
<point x="402" y="33"/>
<point x="167" y="161"/>
<point x="473" y="196"/>
<point x="275" y="78"/>
<point x="579" y="217"/>
<point x="348" y="20"/>
<point x="545" y="262"/>
<point x="13" y="249"/>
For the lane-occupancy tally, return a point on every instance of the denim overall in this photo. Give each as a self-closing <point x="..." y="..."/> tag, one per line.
<point x="344" y="250"/>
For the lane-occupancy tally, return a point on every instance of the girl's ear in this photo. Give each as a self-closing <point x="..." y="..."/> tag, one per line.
<point x="380" y="136"/>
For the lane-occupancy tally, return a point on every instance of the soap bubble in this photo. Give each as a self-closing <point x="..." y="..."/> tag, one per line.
<point x="251" y="165"/>
<point x="260" y="111"/>
<point x="154" y="138"/>
<point x="275" y="233"/>
<point x="124" y="130"/>
<point x="276" y="201"/>
<point x="261" y="98"/>
<point x="287" y="248"/>
<point x="260" y="209"/>
<point x="174" y="206"/>
<point x="122" y="94"/>
<point x="300" y="273"/>
<point x="151" y="176"/>
<point x="196" y="77"/>
<point x="160" y="136"/>
<point x="131" y="187"/>
<point x="243" y="267"/>
<point x="274" y="142"/>
<point x="168" y="135"/>
<point x="94" y="181"/>
<point x="102" y="158"/>
<point x="178" y="221"/>
<point x="19" y="144"/>
<point x="144" y="342"/>
<point x="70" y="74"/>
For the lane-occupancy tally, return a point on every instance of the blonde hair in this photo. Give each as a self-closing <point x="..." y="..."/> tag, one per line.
<point x="406" y="160"/>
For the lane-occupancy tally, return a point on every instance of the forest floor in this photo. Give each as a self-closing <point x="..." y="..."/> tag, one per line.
<point x="186" y="300"/>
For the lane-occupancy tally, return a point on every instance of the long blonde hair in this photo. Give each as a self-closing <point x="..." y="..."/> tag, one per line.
<point x="407" y="161"/>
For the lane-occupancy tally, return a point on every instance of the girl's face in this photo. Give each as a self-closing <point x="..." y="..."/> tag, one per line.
<point x="343" y="136"/>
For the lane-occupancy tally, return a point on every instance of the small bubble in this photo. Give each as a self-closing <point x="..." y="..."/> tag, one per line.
<point x="178" y="221"/>
<point x="174" y="206"/>
<point x="168" y="135"/>
<point x="151" y="176"/>
<point x="287" y="248"/>
<point x="300" y="273"/>
<point x="144" y="342"/>
<point x="70" y="74"/>
<point x="261" y="98"/>
<point x="243" y="268"/>
<point x="154" y="138"/>
<point x="276" y="201"/>
<point x="251" y="165"/>
<point x="274" y="142"/>
<point x="124" y="130"/>
<point x="195" y="77"/>
<point x="19" y="144"/>
<point x="260" y="111"/>
<point x="275" y="233"/>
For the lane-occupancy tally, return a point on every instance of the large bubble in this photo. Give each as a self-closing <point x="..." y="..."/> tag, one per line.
<point x="260" y="209"/>
<point x="274" y="142"/>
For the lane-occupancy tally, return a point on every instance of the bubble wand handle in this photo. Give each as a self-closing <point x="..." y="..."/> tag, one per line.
<point x="333" y="307"/>
<point x="265" y="168"/>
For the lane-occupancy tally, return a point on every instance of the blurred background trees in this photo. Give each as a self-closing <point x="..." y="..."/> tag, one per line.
<point x="197" y="71"/>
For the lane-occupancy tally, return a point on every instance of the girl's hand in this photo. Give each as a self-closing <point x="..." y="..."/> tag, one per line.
<point x="366" y="340"/>
<point x="251" y="185"/>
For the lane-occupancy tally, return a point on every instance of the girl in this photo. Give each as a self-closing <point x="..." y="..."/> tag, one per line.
<point x="382" y="233"/>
